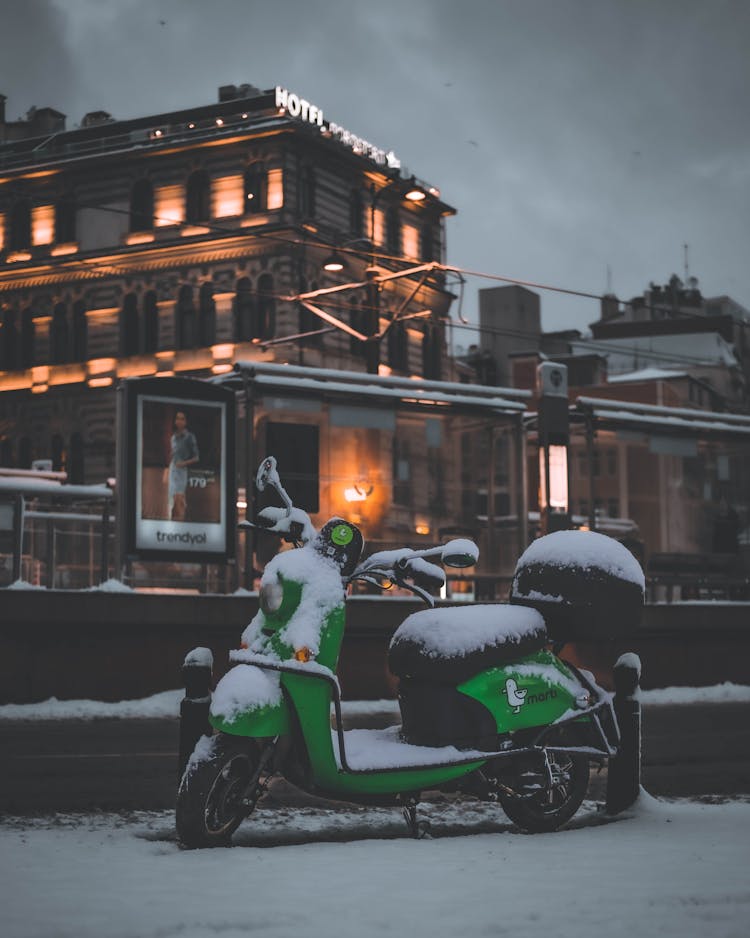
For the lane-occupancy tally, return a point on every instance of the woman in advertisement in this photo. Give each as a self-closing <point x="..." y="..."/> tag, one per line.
<point x="183" y="454"/>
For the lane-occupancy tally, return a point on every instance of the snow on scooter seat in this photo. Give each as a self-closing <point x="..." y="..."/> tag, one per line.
<point x="457" y="631"/>
<point x="587" y="550"/>
<point x="383" y="749"/>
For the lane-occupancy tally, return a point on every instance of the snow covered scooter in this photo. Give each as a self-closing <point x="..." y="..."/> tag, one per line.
<point x="488" y="708"/>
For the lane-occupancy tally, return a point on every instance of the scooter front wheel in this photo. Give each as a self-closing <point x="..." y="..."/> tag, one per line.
<point x="216" y="791"/>
<point x="557" y="792"/>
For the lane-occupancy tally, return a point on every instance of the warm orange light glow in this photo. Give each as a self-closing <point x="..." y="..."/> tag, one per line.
<point x="253" y="221"/>
<point x="169" y="205"/>
<point x="227" y="195"/>
<point x="103" y="382"/>
<point x="136" y="367"/>
<point x="221" y="369"/>
<point x="275" y="192"/>
<point x="42" y="224"/>
<point x="385" y="370"/>
<point x="219" y="122"/>
<point x="191" y="230"/>
<point x="422" y="528"/>
<point x="40" y="374"/>
<point x="222" y="352"/>
<point x="302" y="654"/>
<point x="354" y="494"/>
<point x="102" y="366"/>
<point x="415" y="195"/>
<point x="2" y="231"/>
<point x="165" y="374"/>
<point x="39" y="388"/>
<point x="558" y="478"/>
<point x="18" y="256"/>
<point x="377" y="235"/>
<point x="410" y="241"/>
<point x="59" y="249"/>
<point x="139" y="237"/>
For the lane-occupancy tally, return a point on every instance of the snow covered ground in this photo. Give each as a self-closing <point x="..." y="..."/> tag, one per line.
<point x="666" y="869"/>
<point x="167" y="704"/>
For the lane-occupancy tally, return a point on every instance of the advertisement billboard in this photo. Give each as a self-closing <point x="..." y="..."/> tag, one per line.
<point x="176" y="463"/>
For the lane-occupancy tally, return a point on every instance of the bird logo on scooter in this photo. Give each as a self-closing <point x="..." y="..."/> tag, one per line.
<point x="516" y="695"/>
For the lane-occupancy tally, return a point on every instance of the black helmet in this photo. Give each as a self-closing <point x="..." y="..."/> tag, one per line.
<point x="341" y="542"/>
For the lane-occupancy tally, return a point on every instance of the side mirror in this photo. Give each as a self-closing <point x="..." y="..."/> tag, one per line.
<point x="459" y="553"/>
<point x="267" y="473"/>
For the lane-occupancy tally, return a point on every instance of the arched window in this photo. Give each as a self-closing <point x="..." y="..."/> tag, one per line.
<point x="76" y="462"/>
<point x="185" y="330"/>
<point x="24" y="453"/>
<point x="393" y="230"/>
<point x="19" y="235"/>
<point x="245" y="313"/>
<point x="206" y="315"/>
<point x="28" y="339"/>
<point x="266" y="307"/>
<point x="58" y="453"/>
<point x="198" y="197"/>
<point x="306" y="192"/>
<point x="10" y="340"/>
<point x="129" y="331"/>
<point x="59" y="335"/>
<point x="432" y="351"/>
<point x="80" y="332"/>
<point x="356" y="214"/>
<point x="255" y="190"/>
<point x="65" y="220"/>
<point x="150" y="322"/>
<point x="142" y="206"/>
<point x="398" y="347"/>
<point x="6" y="452"/>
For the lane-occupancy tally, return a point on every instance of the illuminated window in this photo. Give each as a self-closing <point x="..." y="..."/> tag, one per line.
<point x="42" y="224"/>
<point x="129" y="326"/>
<point x="398" y="347"/>
<point x="198" y="197"/>
<point x="275" y="197"/>
<point x="19" y="235"/>
<point x="10" y="341"/>
<point x="306" y="192"/>
<point x="59" y="335"/>
<point x="356" y="214"/>
<point x="432" y="344"/>
<point x="206" y="315"/>
<point x="410" y="238"/>
<point x="150" y="322"/>
<point x="142" y="206"/>
<point x="255" y="190"/>
<point x="245" y="314"/>
<point x="65" y="220"/>
<point x="185" y="324"/>
<point x="266" y="307"/>
<point x="80" y="332"/>
<point x="28" y="339"/>
<point x="393" y="231"/>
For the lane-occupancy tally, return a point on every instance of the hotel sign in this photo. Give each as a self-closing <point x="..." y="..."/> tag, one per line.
<point x="298" y="107"/>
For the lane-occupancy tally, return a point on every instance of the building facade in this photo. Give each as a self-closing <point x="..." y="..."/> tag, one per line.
<point x="176" y="244"/>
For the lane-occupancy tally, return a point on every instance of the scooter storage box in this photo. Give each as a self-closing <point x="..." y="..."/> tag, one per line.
<point x="586" y="585"/>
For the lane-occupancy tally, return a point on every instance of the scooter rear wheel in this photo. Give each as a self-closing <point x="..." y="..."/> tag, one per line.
<point x="553" y="804"/>
<point x="211" y="800"/>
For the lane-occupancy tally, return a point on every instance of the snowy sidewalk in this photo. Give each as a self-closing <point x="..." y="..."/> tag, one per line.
<point x="669" y="869"/>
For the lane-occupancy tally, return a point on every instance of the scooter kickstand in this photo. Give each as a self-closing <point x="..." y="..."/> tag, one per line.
<point x="419" y="830"/>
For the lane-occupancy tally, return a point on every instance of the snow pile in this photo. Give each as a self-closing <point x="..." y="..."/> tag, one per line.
<point x="674" y="870"/>
<point x="165" y="705"/>
<point x="717" y="694"/>
<point x="111" y="586"/>
<point x="23" y="585"/>
<point x="245" y="688"/>
<point x="587" y="550"/>
<point x="322" y="592"/>
<point x="457" y="631"/>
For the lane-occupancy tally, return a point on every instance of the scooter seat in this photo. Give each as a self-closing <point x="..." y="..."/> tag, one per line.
<point x="455" y="642"/>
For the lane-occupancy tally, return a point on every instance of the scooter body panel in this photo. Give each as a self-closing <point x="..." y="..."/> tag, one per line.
<point x="534" y="691"/>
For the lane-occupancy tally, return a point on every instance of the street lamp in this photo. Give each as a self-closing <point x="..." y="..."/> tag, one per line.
<point x="554" y="436"/>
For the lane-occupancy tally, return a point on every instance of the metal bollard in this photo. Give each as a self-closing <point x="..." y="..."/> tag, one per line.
<point x="624" y="775"/>
<point x="197" y="670"/>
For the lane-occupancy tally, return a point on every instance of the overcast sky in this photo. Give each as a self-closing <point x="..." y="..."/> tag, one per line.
<point x="570" y="135"/>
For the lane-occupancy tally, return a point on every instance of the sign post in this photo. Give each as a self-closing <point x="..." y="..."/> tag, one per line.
<point x="554" y="437"/>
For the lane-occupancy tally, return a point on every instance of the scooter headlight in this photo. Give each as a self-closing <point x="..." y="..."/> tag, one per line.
<point x="271" y="596"/>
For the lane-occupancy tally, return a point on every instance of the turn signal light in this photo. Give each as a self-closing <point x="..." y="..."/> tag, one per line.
<point x="302" y="654"/>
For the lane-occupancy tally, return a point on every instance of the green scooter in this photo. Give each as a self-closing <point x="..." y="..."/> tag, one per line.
<point x="488" y="709"/>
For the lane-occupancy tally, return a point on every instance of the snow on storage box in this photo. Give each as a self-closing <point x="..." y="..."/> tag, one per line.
<point x="586" y="585"/>
<point x="455" y="642"/>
